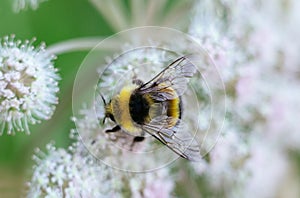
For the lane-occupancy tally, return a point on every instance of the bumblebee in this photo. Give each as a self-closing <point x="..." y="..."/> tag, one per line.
<point x="155" y="107"/>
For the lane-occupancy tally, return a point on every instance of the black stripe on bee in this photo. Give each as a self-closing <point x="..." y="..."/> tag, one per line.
<point x="138" y="108"/>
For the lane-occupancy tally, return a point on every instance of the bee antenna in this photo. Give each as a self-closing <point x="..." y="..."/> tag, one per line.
<point x="103" y="121"/>
<point x="103" y="99"/>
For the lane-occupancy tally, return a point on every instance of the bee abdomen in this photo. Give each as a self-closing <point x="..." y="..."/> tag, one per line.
<point x="139" y="108"/>
<point x="174" y="111"/>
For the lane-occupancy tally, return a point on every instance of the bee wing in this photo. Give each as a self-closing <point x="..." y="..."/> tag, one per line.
<point x="176" y="75"/>
<point x="178" y="140"/>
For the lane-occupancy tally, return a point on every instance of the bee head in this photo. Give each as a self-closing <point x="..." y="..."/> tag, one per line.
<point x="108" y="110"/>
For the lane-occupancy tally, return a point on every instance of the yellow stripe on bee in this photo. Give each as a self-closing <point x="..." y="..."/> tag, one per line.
<point x="120" y="108"/>
<point x="173" y="110"/>
<point x="173" y="105"/>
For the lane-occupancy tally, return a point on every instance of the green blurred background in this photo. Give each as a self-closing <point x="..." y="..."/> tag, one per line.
<point x="52" y="22"/>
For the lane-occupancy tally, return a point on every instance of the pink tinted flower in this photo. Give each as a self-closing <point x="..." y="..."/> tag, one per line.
<point x="267" y="167"/>
<point x="264" y="44"/>
<point x="158" y="188"/>
<point x="282" y="125"/>
<point x="246" y="84"/>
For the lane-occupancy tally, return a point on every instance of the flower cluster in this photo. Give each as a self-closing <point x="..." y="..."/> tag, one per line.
<point x="131" y="176"/>
<point x="63" y="173"/>
<point x="74" y="172"/>
<point x="260" y="73"/>
<point x="28" y="85"/>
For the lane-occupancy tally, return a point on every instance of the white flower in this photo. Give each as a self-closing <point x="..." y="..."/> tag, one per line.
<point x="75" y="173"/>
<point x="158" y="184"/>
<point x="28" y="82"/>
<point x="226" y="161"/>
<point x="267" y="168"/>
<point x="282" y="113"/>
<point x="61" y="172"/>
<point x="24" y="4"/>
<point x="261" y="79"/>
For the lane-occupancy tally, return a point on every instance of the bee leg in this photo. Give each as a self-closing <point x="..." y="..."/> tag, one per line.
<point x="136" y="139"/>
<point x="115" y="129"/>
<point x="137" y="81"/>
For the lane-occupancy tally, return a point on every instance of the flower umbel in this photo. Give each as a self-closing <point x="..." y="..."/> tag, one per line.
<point x="61" y="173"/>
<point x="28" y="85"/>
<point x="73" y="172"/>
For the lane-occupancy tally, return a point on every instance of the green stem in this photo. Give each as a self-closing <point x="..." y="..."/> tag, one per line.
<point x="114" y="12"/>
<point x="79" y="44"/>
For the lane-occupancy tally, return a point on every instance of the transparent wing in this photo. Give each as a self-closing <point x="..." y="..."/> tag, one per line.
<point x="176" y="138"/>
<point x="174" y="77"/>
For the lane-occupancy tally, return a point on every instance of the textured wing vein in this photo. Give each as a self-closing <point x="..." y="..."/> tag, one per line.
<point x="174" y="77"/>
<point x="176" y="138"/>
